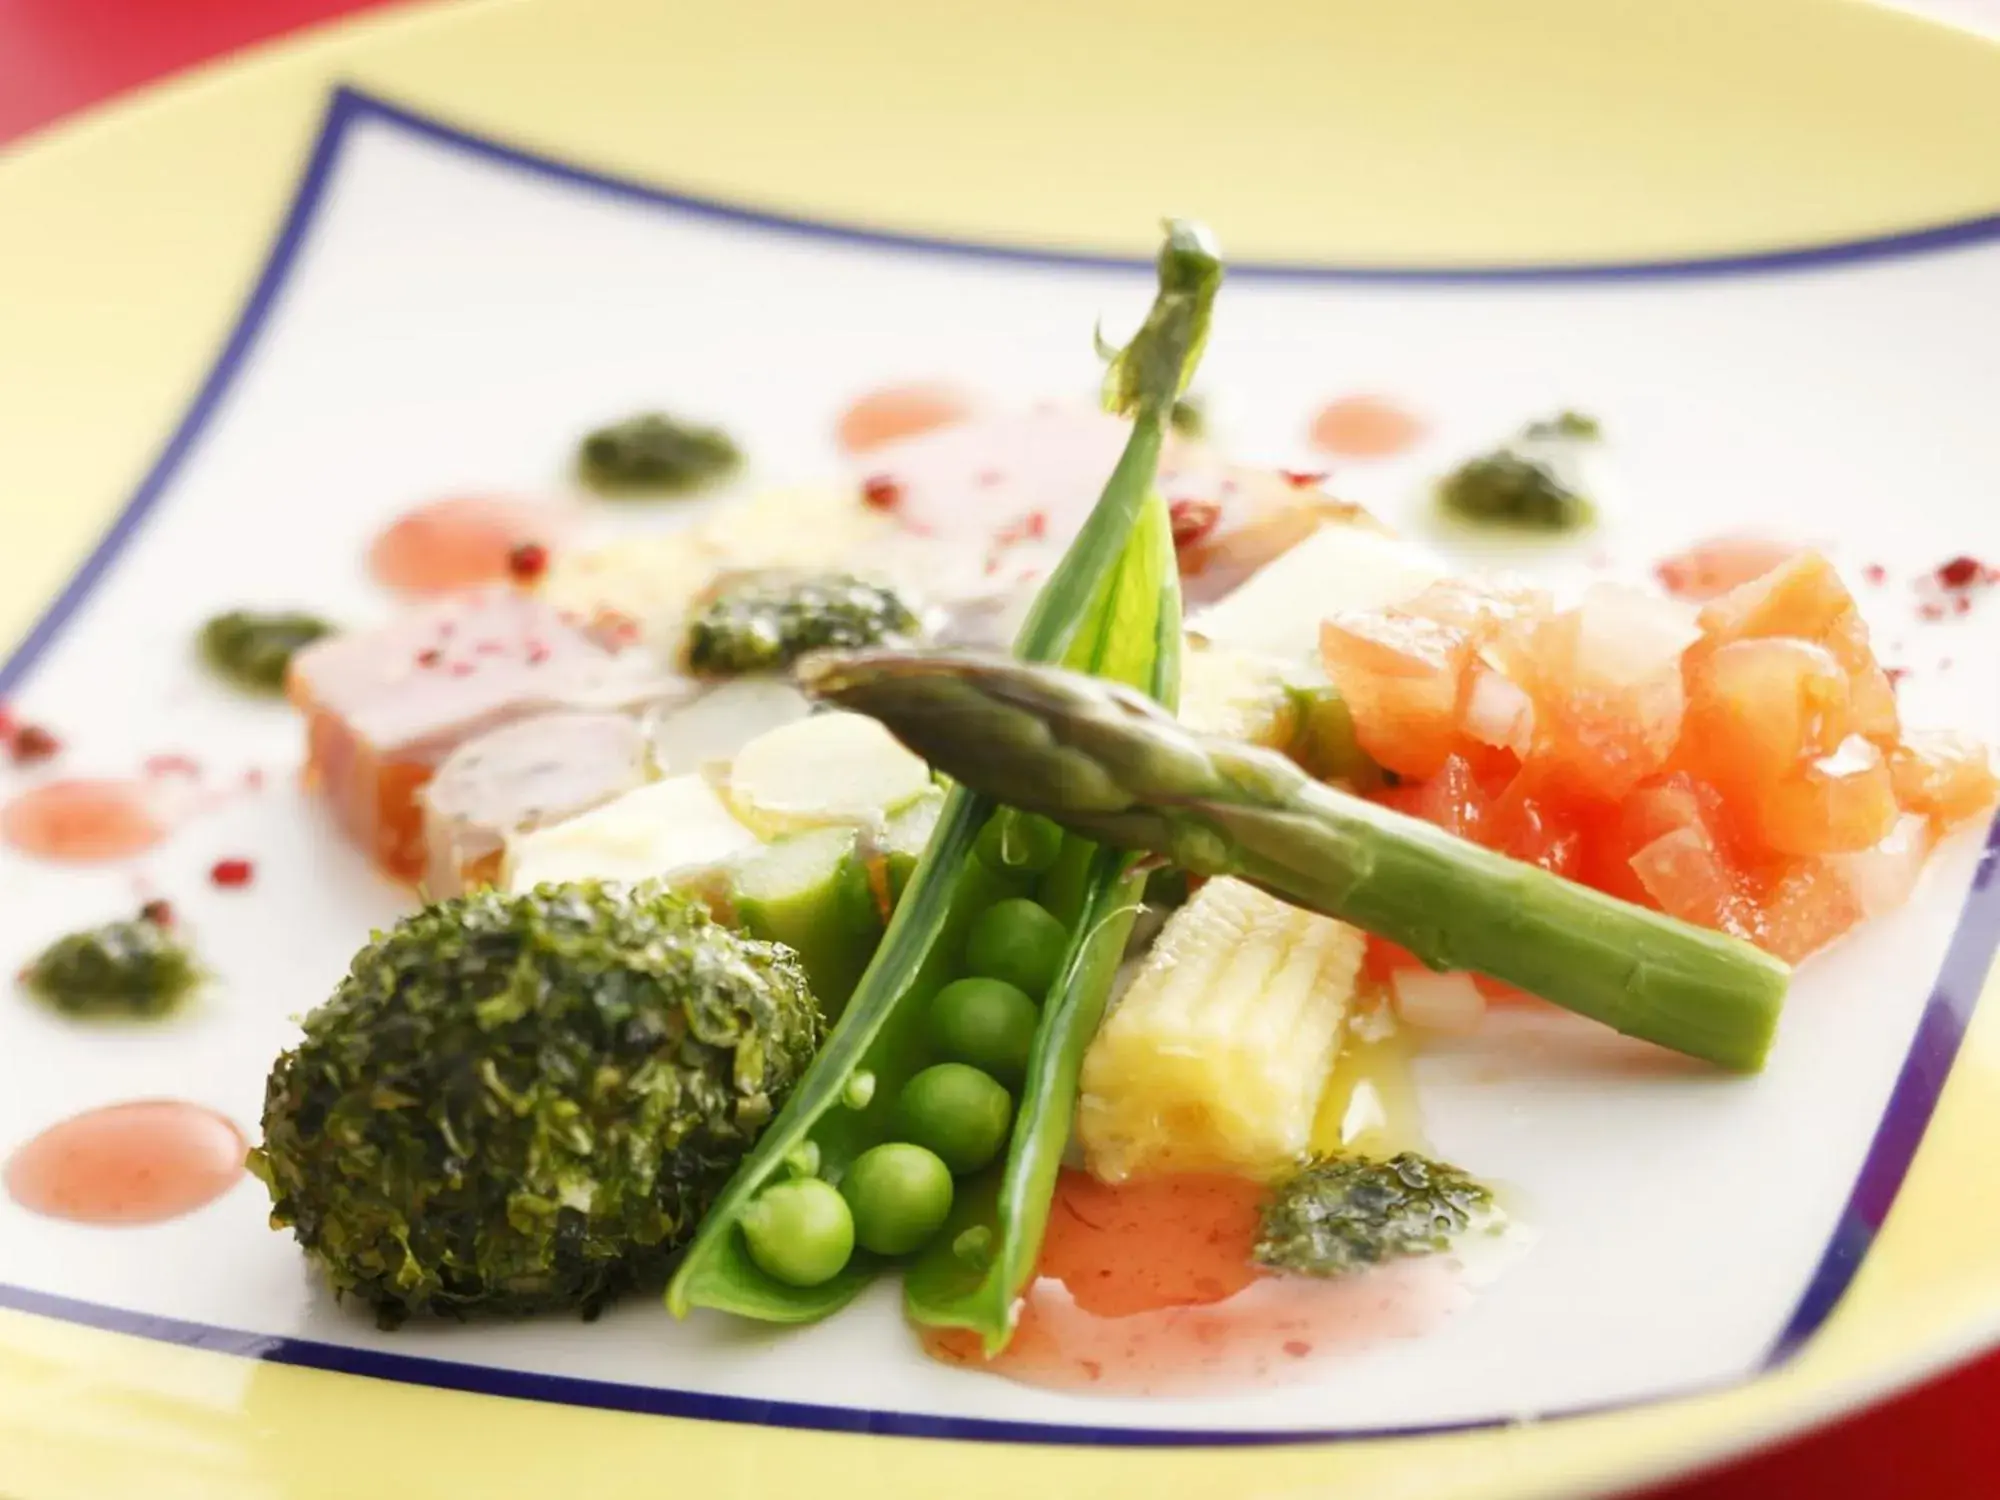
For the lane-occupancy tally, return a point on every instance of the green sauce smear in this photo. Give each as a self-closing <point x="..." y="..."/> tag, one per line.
<point x="133" y="969"/>
<point x="254" y="649"/>
<point x="763" y="622"/>
<point x="1344" y="1214"/>
<point x="653" y="452"/>
<point x="1530" y="483"/>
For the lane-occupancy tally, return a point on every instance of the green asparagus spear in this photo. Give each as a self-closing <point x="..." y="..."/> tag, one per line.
<point x="1106" y="762"/>
<point x="845" y="1103"/>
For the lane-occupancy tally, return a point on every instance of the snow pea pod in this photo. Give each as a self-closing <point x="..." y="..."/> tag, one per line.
<point x="1107" y="596"/>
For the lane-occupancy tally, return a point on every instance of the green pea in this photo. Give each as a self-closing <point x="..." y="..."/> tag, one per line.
<point x="988" y="1023"/>
<point x="800" y="1231"/>
<point x="1017" y="941"/>
<point x="1018" y="843"/>
<point x="958" y="1112"/>
<point x="900" y="1196"/>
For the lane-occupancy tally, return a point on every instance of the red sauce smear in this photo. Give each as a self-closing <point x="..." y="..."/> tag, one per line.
<point x="83" y="820"/>
<point x="137" y="1163"/>
<point x="900" y="411"/>
<point x="460" y="542"/>
<point x="1148" y="1289"/>
<point x="1365" y="427"/>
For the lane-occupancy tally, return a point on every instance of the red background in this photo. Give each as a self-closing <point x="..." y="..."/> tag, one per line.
<point x="1941" y="1442"/>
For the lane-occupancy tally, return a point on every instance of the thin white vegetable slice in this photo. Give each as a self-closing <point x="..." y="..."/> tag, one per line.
<point x="828" y="769"/>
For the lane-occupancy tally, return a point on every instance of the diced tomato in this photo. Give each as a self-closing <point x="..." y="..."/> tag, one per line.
<point x="1453" y="799"/>
<point x="1742" y="769"/>
<point x="1804" y="598"/>
<point x="1841" y="802"/>
<point x="1652" y="811"/>
<point x="1404" y="670"/>
<point x="1687" y="876"/>
<point x="1497" y="993"/>
<point x="1498" y="712"/>
<point x="1534" y="818"/>
<point x="1400" y="676"/>
<point x="1872" y="695"/>
<point x="1714" y="567"/>
<point x="1383" y="958"/>
<point x="1607" y="709"/>
<point x="1759" y="709"/>
<point x="1946" y="777"/>
<point x="1806" y="907"/>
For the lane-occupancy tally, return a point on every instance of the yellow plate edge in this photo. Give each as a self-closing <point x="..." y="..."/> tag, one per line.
<point x="83" y="1410"/>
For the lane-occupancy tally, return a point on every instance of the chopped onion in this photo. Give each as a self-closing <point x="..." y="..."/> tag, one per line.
<point x="1883" y="877"/>
<point x="1498" y="712"/>
<point x="1850" y="757"/>
<point x="1438" y="1002"/>
<point x="1625" y="637"/>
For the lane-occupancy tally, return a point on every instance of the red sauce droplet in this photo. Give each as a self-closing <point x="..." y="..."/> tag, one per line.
<point x="1365" y="427"/>
<point x="900" y="411"/>
<point x="1960" y="572"/>
<point x="1192" y="520"/>
<point x="880" y="492"/>
<point x="528" y="562"/>
<point x="1875" y="573"/>
<point x="1298" y="479"/>
<point x="173" y="763"/>
<point x="1177" y="1241"/>
<point x="231" y="874"/>
<point x="460" y="542"/>
<point x="159" y="911"/>
<point x="32" y="744"/>
<point x="137" y="1163"/>
<point x="83" y="820"/>
<point x="1149" y="1288"/>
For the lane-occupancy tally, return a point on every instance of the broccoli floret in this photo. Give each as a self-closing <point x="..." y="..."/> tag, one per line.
<point x="654" y="451"/>
<point x="519" y="1102"/>
<point x="763" y="622"/>
<point x="1345" y="1214"/>
<point x="134" y="968"/>
<point x="253" y="649"/>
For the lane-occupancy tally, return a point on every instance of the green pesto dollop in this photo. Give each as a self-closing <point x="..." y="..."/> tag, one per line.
<point x="134" y="969"/>
<point x="763" y="622"/>
<point x="1576" y="426"/>
<point x="1531" y="483"/>
<point x="1509" y="488"/>
<point x="253" y="648"/>
<point x="655" y="452"/>
<point x="518" y="1102"/>
<point x="1343" y="1214"/>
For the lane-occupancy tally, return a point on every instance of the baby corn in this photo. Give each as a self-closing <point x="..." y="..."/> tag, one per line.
<point x="1216" y="1057"/>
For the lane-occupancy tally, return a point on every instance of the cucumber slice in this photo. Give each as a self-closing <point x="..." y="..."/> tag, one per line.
<point x="724" y="719"/>
<point x="835" y="768"/>
<point x="813" y="893"/>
